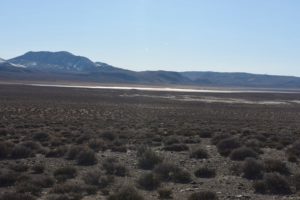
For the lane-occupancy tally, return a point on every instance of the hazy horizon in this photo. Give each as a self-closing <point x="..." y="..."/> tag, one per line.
<point x="172" y="35"/>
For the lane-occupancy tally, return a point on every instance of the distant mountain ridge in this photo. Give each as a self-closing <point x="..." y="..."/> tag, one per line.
<point x="64" y="66"/>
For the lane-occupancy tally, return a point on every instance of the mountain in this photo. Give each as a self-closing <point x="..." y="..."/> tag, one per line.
<point x="55" y="62"/>
<point x="64" y="66"/>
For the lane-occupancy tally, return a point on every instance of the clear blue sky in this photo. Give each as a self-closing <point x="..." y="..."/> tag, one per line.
<point x="259" y="36"/>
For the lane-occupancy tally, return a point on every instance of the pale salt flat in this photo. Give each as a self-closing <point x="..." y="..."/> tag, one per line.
<point x="206" y="99"/>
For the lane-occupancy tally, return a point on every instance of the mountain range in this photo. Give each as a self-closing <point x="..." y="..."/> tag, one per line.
<point x="64" y="66"/>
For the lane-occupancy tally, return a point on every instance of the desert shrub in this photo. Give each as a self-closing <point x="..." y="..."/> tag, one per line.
<point x="113" y="167"/>
<point x="28" y="187"/>
<point x="92" y="177"/>
<point x="165" y="193"/>
<point x="294" y="150"/>
<point x="147" y="158"/>
<point x="72" y="196"/>
<point x="82" y="138"/>
<point x="20" y="151"/>
<point x="254" y="144"/>
<point x="192" y="140"/>
<point x="273" y="183"/>
<point x="43" y="181"/>
<point x="225" y="146"/>
<point x="272" y="165"/>
<point x="126" y="193"/>
<point x="5" y="149"/>
<point x="41" y="136"/>
<point x="38" y="168"/>
<point x="171" y="140"/>
<point x="97" y="144"/>
<point x="170" y="172"/>
<point x="148" y="181"/>
<point x="236" y="169"/>
<point x="73" y="190"/>
<point x="108" y="136"/>
<point x="64" y="173"/>
<point x="296" y="181"/>
<point x="68" y="187"/>
<point x="203" y="195"/>
<point x="19" y="167"/>
<point x="252" y="169"/>
<point x="292" y="158"/>
<point x="7" y="178"/>
<point x="205" y="172"/>
<point x="218" y="137"/>
<point x="157" y="138"/>
<point x="34" y="146"/>
<point x="16" y="196"/>
<point x="97" y="179"/>
<point x="73" y="152"/>
<point x="205" y="134"/>
<point x="260" y="187"/>
<point x="176" y="147"/>
<point x="199" y="153"/>
<point x="121" y="148"/>
<point x="86" y="157"/>
<point x="242" y="153"/>
<point x="164" y="170"/>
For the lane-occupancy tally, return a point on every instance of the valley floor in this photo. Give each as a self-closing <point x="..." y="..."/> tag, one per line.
<point x="54" y="141"/>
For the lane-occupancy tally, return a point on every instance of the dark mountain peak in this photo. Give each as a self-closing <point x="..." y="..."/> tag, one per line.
<point x="61" y="61"/>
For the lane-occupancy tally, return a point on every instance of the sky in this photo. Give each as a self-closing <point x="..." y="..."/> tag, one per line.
<point x="256" y="36"/>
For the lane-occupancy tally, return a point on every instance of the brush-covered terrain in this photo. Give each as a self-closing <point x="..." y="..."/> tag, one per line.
<point x="71" y="144"/>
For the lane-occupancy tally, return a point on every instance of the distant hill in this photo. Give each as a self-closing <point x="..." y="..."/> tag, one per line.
<point x="64" y="66"/>
<point x="242" y="80"/>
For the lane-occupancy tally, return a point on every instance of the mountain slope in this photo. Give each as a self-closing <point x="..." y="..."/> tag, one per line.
<point x="64" y="66"/>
